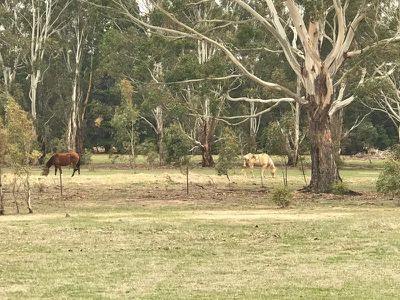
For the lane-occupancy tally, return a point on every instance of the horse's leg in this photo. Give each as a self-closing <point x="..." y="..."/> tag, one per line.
<point x="73" y="173"/>
<point x="262" y="171"/>
<point x="55" y="170"/>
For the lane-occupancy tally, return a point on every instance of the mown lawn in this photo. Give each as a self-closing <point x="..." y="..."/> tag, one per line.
<point x="137" y="235"/>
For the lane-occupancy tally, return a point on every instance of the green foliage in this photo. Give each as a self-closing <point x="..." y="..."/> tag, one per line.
<point x="274" y="139"/>
<point x="340" y="188"/>
<point x="177" y="144"/>
<point x="3" y="142"/>
<point x="125" y="119"/>
<point x="21" y="135"/>
<point x="86" y="157"/>
<point x="147" y="146"/>
<point x="58" y="145"/>
<point x="282" y="197"/>
<point x="152" y="157"/>
<point x="228" y="153"/>
<point x="389" y="180"/>
<point x="364" y="135"/>
<point x="395" y="152"/>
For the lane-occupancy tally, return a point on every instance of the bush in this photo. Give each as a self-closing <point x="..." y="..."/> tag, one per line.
<point x="177" y="144"/>
<point x="395" y="152"/>
<point x="389" y="180"/>
<point x="228" y="153"/>
<point x="86" y="157"/>
<point x="152" y="157"/>
<point x="340" y="188"/>
<point x="282" y="197"/>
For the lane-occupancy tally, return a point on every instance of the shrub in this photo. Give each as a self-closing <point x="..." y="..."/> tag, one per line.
<point x="395" y="152"/>
<point x="86" y="157"/>
<point x="152" y="157"/>
<point x="177" y="144"/>
<point x="282" y="197"/>
<point x="340" y="188"/>
<point x="389" y="180"/>
<point x="228" y="153"/>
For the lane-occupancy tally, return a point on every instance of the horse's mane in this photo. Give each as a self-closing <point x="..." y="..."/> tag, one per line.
<point x="50" y="162"/>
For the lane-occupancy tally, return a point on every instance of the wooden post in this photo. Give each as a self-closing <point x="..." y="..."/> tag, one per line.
<point x="262" y="182"/>
<point x="187" y="179"/>
<point x="61" y="186"/>
<point x="1" y="194"/>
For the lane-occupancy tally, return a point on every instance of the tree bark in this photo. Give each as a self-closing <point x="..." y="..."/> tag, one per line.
<point x="1" y="194"/>
<point x="206" y="136"/>
<point x="323" y="164"/>
<point x="159" y="129"/>
<point x="207" y="159"/>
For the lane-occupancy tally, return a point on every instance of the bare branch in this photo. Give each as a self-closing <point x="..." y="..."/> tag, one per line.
<point x="266" y="101"/>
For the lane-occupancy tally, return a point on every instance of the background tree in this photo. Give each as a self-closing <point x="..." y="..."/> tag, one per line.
<point x="125" y="120"/>
<point x="382" y="93"/>
<point x="21" y="145"/>
<point x="177" y="145"/>
<point x="3" y="152"/>
<point x="79" y="54"/>
<point x="12" y="42"/>
<point x="45" y="19"/>
<point x="228" y="152"/>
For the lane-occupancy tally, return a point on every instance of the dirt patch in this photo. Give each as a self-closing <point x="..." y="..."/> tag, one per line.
<point x="266" y="214"/>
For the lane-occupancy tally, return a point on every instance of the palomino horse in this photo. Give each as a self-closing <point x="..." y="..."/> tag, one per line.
<point x="70" y="158"/>
<point x="262" y="160"/>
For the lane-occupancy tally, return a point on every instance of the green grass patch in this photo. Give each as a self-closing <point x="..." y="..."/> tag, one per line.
<point x="136" y="234"/>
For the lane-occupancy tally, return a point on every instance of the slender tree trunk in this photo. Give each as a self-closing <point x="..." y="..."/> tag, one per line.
<point x="35" y="78"/>
<point x="207" y="159"/>
<point x="206" y="136"/>
<point x="14" y="184"/>
<point x="206" y="146"/>
<point x="82" y="112"/>
<point x="73" y="119"/>
<point x="28" y="193"/>
<point x="76" y="97"/>
<point x="337" y="132"/>
<point x="1" y="193"/>
<point x="398" y="134"/>
<point x="159" y="129"/>
<point x="296" y="137"/>
<point x="254" y="126"/>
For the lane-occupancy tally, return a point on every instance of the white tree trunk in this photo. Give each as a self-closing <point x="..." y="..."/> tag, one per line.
<point x="159" y="129"/>
<point x="1" y="193"/>
<point x="44" y="23"/>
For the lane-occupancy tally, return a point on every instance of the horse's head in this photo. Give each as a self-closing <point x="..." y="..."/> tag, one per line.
<point x="45" y="171"/>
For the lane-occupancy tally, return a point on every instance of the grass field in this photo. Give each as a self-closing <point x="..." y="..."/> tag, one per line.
<point x="136" y="234"/>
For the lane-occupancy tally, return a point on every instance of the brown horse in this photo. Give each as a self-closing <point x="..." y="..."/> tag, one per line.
<point x="70" y="158"/>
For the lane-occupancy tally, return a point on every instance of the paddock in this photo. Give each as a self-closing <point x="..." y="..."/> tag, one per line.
<point x="137" y="234"/>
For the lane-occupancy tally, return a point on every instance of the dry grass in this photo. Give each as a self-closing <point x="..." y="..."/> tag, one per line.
<point x="139" y="236"/>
